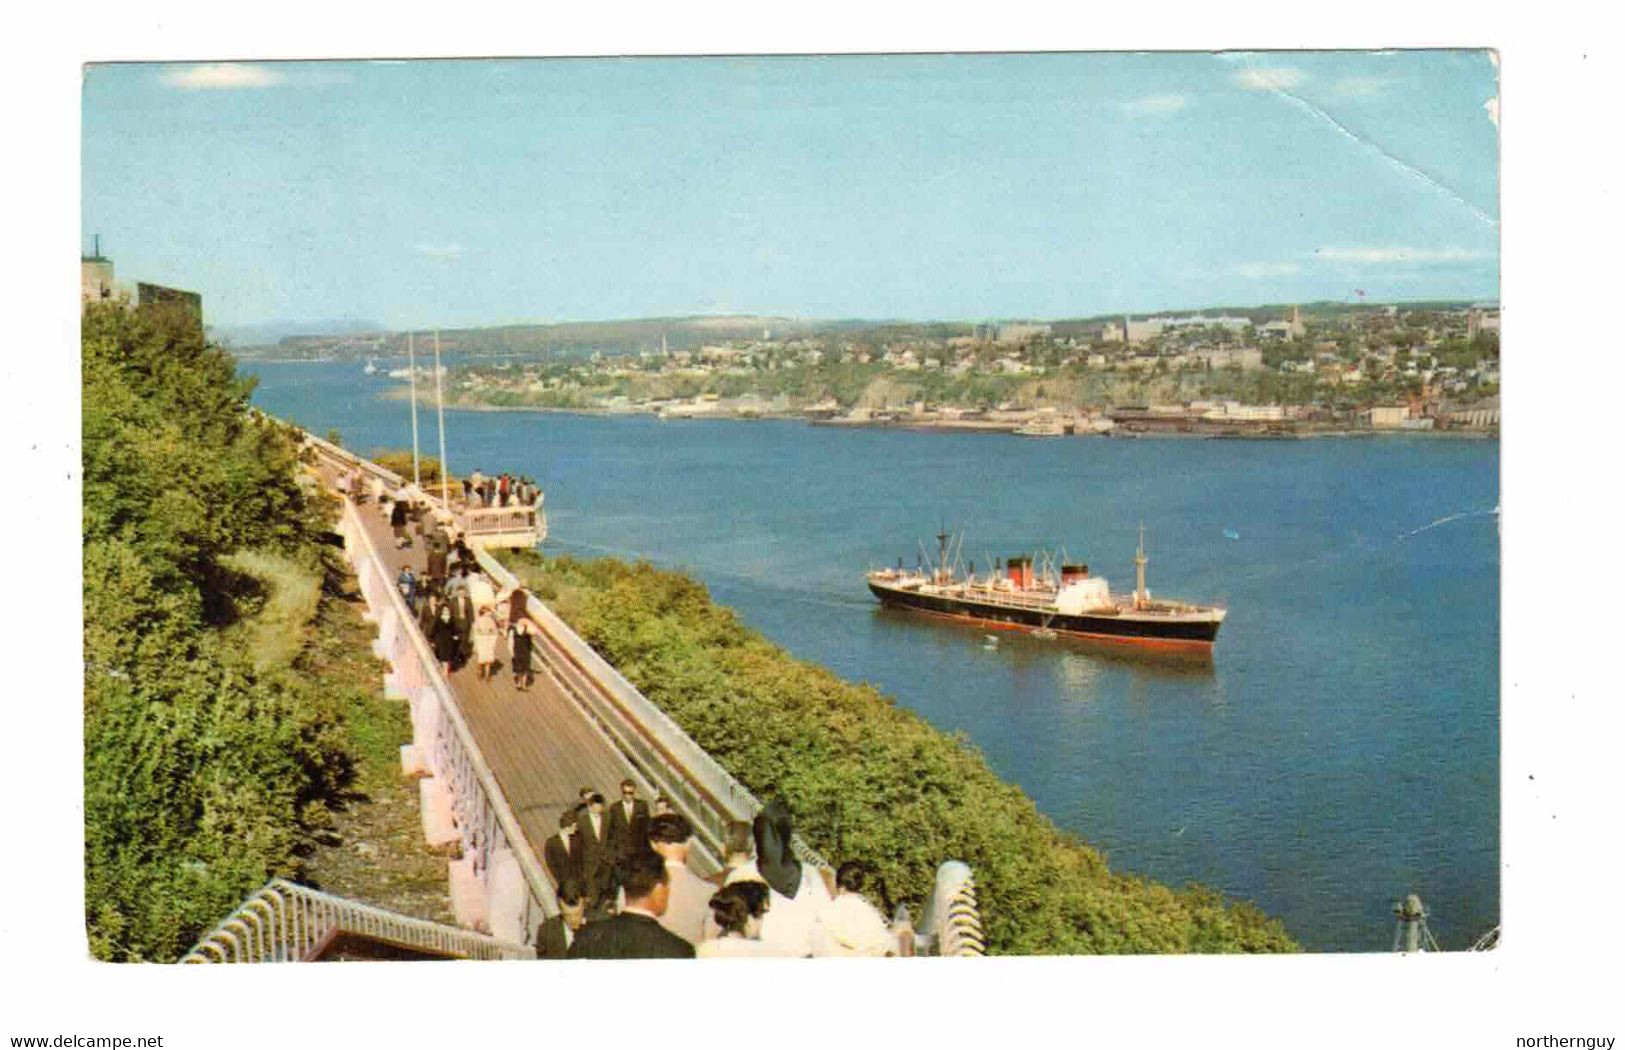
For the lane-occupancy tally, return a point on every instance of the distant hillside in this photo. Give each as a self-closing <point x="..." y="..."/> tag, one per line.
<point x="354" y="340"/>
<point x="271" y="332"/>
<point x="570" y="339"/>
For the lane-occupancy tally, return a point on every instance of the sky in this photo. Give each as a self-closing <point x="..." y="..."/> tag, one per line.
<point x="953" y="187"/>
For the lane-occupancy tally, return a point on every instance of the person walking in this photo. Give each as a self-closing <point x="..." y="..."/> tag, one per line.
<point x="486" y="633"/>
<point x="738" y="865"/>
<point x="519" y="643"/>
<point x="799" y="895"/>
<point x="429" y="611"/>
<point x="636" y="932"/>
<point x="562" y="852"/>
<point x="446" y="641"/>
<point x="688" y="902"/>
<point x="480" y="591"/>
<point x="407" y="584"/>
<point x="435" y="568"/>
<point x="628" y="823"/>
<point x="398" y="520"/>
<point x="597" y="863"/>
<point x="737" y="912"/>
<point x="556" y="935"/>
<point x="851" y="925"/>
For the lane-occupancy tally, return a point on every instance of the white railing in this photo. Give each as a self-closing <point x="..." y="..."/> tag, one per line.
<point x="286" y="922"/>
<point x="485" y="822"/>
<point x="952" y="923"/>
<point x="523" y="526"/>
<point x="697" y="784"/>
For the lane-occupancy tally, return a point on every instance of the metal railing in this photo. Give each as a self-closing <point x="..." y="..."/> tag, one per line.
<point x="286" y="922"/>
<point x="668" y="757"/>
<point x="952" y="922"/>
<point x="478" y="524"/>
<point x="484" y="521"/>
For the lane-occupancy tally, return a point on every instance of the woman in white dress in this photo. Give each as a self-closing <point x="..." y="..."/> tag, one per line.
<point x="798" y="894"/>
<point x="851" y="925"/>
<point x="486" y="633"/>
<point x="738" y="911"/>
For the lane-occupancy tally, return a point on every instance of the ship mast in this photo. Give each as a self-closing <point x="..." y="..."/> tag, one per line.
<point x="1140" y="596"/>
<point x="942" y="555"/>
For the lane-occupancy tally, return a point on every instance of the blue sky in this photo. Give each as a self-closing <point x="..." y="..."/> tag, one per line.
<point x="951" y="187"/>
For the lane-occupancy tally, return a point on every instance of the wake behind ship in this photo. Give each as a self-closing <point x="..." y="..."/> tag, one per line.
<point x="1070" y="602"/>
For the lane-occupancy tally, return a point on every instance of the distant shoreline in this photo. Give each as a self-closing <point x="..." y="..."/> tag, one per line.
<point x="969" y="426"/>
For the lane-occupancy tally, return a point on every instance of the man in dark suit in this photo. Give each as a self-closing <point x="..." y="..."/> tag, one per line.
<point x="558" y="933"/>
<point x="636" y="932"/>
<point x="562" y="851"/>
<point x="597" y="862"/>
<point x="628" y="823"/>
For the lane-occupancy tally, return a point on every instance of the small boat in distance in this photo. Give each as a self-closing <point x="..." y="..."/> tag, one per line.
<point x="1053" y="600"/>
<point x="1042" y="426"/>
<point x="371" y="369"/>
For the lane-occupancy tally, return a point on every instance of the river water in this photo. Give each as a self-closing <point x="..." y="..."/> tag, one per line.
<point x="1339" y="751"/>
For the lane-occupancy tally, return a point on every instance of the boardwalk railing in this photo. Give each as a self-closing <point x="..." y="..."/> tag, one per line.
<point x="512" y="526"/>
<point x="286" y="922"/>
<point x="668" y="757"/>
<point x="952" y="922"/>
<point x="503" y="526"/>
<point x="490" y="835"/>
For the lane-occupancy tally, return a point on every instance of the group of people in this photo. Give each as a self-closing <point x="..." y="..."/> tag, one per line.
<point x="462" y="615"/>
<point x="626" y="890"/>
<point x="504" y="490"/>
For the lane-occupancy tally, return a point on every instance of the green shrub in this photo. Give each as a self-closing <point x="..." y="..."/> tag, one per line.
<point x="870" y="781"/>
<point x="204" y="776"/>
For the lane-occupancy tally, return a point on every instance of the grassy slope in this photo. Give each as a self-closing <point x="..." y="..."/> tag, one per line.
<point x="870" y="781"/>
<point x="373" y="850"/>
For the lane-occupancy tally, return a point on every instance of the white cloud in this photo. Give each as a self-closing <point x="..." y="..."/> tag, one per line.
<point x="1397" y="255"/>
<point x="1260" y="270"/>
<point x="438" y="251"/>
<point x="1269" y="78"/>
<point x="1360" y="87"/>
<point x="221" y="75"/>
<point x="1155" y="105"/>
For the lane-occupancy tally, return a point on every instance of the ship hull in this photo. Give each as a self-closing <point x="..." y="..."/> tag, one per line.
<point x="1181" y="635"/>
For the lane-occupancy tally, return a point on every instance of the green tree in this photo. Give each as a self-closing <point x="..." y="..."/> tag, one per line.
<point x="203" y="777"/>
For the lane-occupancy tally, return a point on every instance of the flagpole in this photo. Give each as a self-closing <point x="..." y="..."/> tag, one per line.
<point x="412" y="369"/>
<point x="440" y="411"/>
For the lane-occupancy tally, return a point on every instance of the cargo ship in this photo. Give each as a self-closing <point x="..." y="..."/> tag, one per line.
<point x="1063" y="599"/>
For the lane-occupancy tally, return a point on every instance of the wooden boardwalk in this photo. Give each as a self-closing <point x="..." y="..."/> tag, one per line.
<point x="540" y="745"/>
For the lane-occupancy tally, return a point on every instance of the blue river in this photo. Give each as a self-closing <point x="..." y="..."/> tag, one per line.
<point x="1341" y="749"/>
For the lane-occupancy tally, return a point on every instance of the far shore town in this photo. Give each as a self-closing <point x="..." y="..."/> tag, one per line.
<point x="1256" y="372"/>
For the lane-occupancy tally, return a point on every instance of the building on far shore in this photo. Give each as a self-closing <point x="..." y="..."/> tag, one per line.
<point x="1480" y="319"/>
<point x="1289" y="329"/>
<point x="1020" y="333"/>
